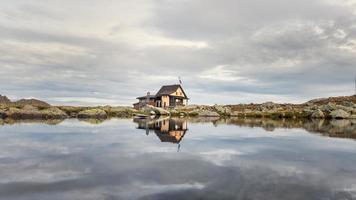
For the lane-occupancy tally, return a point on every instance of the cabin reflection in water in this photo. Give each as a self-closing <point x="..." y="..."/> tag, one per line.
<point x="167" y="130"/>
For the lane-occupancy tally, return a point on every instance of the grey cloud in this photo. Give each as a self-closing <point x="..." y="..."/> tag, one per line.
<point x="277" y="48"/>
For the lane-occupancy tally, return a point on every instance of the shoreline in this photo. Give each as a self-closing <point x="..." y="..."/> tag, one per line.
<point x="343" y="107"/>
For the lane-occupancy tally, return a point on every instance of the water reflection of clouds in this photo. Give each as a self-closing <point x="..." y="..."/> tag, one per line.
<point x="118" y="161"/>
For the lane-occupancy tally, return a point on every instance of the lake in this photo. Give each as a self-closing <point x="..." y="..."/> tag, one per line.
<point x="198" y="158"/>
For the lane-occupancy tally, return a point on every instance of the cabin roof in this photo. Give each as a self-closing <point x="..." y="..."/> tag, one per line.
<point x="144" y="97"/>
<point x="168" y="138"/>
<point x="169" y="89"/>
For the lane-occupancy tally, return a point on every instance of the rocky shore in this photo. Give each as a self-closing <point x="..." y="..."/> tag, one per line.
<point x="329" y="108"/>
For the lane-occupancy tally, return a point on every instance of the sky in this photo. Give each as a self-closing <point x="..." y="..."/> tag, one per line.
<point x="91" y="52"/>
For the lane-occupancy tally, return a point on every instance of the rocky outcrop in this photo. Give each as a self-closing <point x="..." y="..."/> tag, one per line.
<point x="207" y="113"/>
<point x="33" y="102"/>
<point x="150" y="110"/>
<point x="4" y="100"/>
<point x="93" y="113"/>
<point x="340" y="114"/>
<point x="222" y="110"/>
<point x="119" y="111"/>
<point x="31" y="112"/>
<point x="318" y="114"/>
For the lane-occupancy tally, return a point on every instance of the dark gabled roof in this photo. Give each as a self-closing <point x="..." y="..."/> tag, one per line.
<point x="165" y="137"/>
<point x="144" y="97"/>
<point x="169" y="89"/>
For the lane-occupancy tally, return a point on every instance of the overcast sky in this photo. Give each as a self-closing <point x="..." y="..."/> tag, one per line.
<point x="226" y="51"/>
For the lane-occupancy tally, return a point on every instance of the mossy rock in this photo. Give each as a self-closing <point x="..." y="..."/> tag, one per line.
<point x="120" y="111"/>
<point x="93" y="113"/>
<point x="72" y="111"/>
<point x="53" y="113"/>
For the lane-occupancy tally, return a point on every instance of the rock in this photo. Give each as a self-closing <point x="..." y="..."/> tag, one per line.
<point x="317" y="114"/>
<point x="269" y="105"/>
<point x="347" y="109"/>
<point x="207" y="113"/>
<point x="313" y="101"/>
<point x="339" y="114"/>
<point x="29" y="107"/>
<point x="155" y="110"/>
<point x="72" y="111"/>
<point x="53" y="113"/>
<point x="161" y="111"/>
<point x="32" y="102"/>
<point x="348" y="104"/>
<point x="93" y="113"/>
<point x="4" y="100"/>
<point x="31" y="112"/>
<point x="222" y="110"/>
<point x="28" y="113"/>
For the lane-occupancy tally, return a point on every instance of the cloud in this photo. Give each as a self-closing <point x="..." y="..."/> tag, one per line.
<point x="111" y="52"/>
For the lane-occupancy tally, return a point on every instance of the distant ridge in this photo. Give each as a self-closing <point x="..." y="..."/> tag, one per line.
<point x="22" y="102"/>
<point x="4" y="100"/>
<point x="336" y="100"/>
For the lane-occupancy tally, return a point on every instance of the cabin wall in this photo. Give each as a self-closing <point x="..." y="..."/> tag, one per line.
<point x="143" y="102"/>
<point x="165" y="101"/>
<point x="165" y="126"/>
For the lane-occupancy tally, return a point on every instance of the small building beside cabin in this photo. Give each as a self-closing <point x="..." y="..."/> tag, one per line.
<point x="168" y="96"/>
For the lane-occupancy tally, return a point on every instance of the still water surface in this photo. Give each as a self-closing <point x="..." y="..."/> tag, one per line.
<point x="178" y="159"/>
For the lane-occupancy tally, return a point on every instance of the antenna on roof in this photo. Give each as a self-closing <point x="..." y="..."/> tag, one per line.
<point x="180" y="81"/>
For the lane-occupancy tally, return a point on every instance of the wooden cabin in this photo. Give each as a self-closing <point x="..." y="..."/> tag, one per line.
<point x="167" y="130"/>
<point x="168" y="96"/>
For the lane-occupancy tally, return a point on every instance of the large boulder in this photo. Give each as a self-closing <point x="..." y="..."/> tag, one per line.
<point x="317" y="114"/>
<point x="93" y="113"/>
<point x="327" y="107"/>
<point x="155" y="110"/>
<point x="340" y="114"/>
